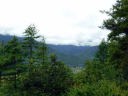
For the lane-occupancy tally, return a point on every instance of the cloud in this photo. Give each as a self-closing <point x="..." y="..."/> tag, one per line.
<point x="5" y="30"/>
<point x="60" y="21"/>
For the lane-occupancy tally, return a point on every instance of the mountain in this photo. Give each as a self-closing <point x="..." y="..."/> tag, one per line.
<point x="70" y="54"/>
<point x="6" y="38"/>
<point x="74" y="55"/>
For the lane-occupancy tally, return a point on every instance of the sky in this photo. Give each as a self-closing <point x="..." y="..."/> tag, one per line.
<point x="59" y="21"/>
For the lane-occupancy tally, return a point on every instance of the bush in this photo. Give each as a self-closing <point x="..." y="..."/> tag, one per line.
<point x="101" y="88"/>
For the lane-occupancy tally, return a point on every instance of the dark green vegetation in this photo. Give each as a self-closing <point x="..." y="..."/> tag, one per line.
<point x="28" y="70"/>
<point x="71" y="55"/>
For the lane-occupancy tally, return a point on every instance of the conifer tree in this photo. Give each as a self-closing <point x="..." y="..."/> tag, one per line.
<point x="30" y="43"/>
<point x="42" y="52"/>
<point x="118" y="25"/>
<point x="31" y="81"/>
<point x="13" y="54"/>
<point x="1" y="58"/>
<point x="102" y="53"/>
<point x="59" y="76"/>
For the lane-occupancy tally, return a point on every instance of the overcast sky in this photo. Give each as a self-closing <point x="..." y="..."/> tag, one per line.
<point x="60" y="21"/>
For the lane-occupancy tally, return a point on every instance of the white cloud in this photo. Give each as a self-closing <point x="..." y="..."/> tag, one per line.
<point x="60" y="21"/>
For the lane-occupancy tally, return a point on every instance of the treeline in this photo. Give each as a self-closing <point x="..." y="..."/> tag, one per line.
<point x="26" y="69"/>
<point x="71" y="55"/>
<point x="107" y="73"/>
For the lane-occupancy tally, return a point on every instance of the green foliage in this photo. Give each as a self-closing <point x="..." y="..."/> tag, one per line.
<point x="101" y="88"/>
<point x="1" y="57"/>
<point x="59" y="76"/>
<point x="31" y="84"/>
<point x="12" y="58"/>
<point x="105" y="75"/>
<point x="51" y="79"/>
<point x="29" y="40"/>
<point x="96" y="71"/>
<point x="13" y="51"/>
<point x="102" y="53"/>
<point x="118" y="25"/>
<point x="42" y="77"/>
<point x="13" y="48"/>
<point x="100" y="77"/>
<point x="42" y="52"/>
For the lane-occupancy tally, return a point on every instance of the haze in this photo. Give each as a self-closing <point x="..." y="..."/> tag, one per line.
<point x="59" y="21"/>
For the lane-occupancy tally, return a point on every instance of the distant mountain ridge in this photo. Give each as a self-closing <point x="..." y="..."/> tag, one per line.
<point x="70" y="54"/>
<point x="74" y="55"/>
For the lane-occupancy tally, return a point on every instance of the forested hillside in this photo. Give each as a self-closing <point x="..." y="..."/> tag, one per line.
<point x="74" y="56"/>
<point x="27" y="68"/>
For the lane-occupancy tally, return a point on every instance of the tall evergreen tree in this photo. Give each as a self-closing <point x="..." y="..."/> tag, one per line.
<point x="2" y="52"/>
<point x="30" y="43"/>
<point x="42" y="52"/>
<point x="99" y="68"/>
<point x="102" y="53"/>
<point x="32" y="80"/>
<point x="13" y="54"/>
<point x="59" y="76"/>
<point x="118" y="25"/>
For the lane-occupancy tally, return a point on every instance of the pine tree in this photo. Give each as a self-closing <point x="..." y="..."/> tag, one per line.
<point x="118" y="25"/>
<point x="59" y="76"/>
<point x="2" y="52"/>
<point x="42" y="52"/>
<point x="102" y="53"/>
<point x="99" y="68"/>
<point x="32" y="80"/>
<point x="30" y="43"/>
<point x="13" y="55"/>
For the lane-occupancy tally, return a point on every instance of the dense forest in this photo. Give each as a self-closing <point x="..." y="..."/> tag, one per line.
<point x="26" y="68"/>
